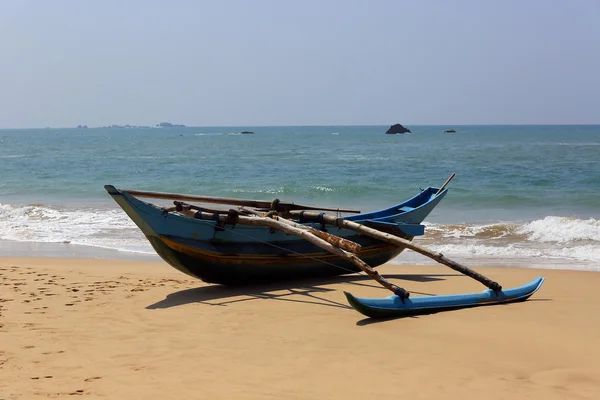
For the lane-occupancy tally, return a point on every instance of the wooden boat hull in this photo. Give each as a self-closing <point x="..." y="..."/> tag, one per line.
<point x="393" y="306"/>
<point x="243" y="254"/>
<point x="244" y="268"/>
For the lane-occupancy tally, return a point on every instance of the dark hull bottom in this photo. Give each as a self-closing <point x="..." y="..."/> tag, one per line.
<point x="273" y="271"/>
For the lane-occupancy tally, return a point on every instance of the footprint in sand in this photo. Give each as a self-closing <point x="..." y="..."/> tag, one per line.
<point x="93" y="378"/>
<point x="566" y="379"/>
<point x="53" y="352"/>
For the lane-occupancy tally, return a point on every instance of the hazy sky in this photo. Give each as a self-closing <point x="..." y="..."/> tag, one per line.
<point x="245" y="63"/>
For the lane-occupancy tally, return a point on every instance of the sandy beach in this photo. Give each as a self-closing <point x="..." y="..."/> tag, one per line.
<point x="132" y="330"/>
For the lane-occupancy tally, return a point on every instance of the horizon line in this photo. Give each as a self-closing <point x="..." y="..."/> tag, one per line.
<point x="294" y="126"/>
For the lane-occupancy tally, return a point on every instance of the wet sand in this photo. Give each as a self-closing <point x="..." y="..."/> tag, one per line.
<point x="120" y="329"/>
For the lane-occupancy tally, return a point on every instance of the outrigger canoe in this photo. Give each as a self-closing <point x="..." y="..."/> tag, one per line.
<point x="275" y="240"/>
<point x="216" y="251"/>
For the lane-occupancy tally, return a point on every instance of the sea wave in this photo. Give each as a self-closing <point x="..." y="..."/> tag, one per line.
<point x="583" y="253"/>
<point x="550" y="229"/>
<point x="86" y="226"/>
<point x="562" y="230"/>
<point x="558" y="240"/>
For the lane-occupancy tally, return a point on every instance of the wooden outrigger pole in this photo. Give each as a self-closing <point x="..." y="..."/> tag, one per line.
<point x="275" y="204"/>
<point x="228" y="216"/>
<point x="343" y="223"/>
<point x="341" y="247"/>
<point x="393" y="306"/>
<point x="445" y="184"/>
<point x="305" y="233"/>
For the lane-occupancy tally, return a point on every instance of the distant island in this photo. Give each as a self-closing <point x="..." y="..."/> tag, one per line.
<point x="397" y="128"/>
<point x="169" y="125"/>
<point x="127" y="126"/>
<point x="112" y="126"/>
<point x="124" y="126"/>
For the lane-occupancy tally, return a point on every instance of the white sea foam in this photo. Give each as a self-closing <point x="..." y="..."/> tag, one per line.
<point x="562" y="230"/>
<point x="266" y="191"/>
<point x="579" y="144"/>
<point x="323" y="188"/>
<point x="556" y="241"/>
<point x="574" y="253"/>
<point x="489" y="231"/>
<point x="547" y="230"/>
<point x="92" y="227"/>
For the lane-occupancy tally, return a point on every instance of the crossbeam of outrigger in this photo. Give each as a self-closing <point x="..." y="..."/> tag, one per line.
<point x="333" y="244"/>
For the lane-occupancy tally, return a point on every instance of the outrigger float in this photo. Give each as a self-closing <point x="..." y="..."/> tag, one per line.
<point x="263" y="241"/>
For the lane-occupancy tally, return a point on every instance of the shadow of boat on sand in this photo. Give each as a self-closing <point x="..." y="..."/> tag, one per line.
<point x="308" y="289"/>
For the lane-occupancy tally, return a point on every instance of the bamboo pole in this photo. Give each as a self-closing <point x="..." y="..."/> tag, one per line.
<point x="345" y="244"/>
<point x="309" y="237"/>
<point x="332" y="239"/>
<point x="208" y="210"/>
<point x="445" y="184"/>
<point x="439" y="257"/>
<point x="229" y="200"/>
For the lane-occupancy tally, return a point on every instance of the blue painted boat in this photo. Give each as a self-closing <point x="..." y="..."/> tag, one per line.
<point x="236" y="254"/>
<point x="394" y="306"/>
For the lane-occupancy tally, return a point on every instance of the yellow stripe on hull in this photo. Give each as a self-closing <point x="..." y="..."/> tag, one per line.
<point x="290" y="258"/>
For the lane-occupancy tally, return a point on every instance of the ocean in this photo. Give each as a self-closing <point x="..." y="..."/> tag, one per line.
<point x="526" y="196"/>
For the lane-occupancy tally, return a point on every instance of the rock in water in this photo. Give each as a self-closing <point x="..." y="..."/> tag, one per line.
<point x="397" y="128"/>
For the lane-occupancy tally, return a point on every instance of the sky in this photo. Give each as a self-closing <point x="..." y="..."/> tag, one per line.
<point x="260" y="62"/>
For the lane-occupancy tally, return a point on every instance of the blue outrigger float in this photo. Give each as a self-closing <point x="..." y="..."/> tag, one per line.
<point x="264" y="241"/>
<point x="396" y="306"/>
